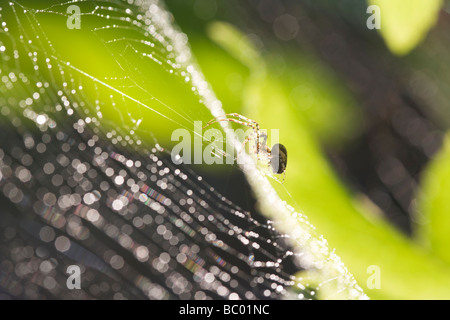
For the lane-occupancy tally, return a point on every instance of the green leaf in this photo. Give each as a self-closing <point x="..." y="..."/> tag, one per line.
<point x="433" y="220"/>
<point x="404" y="24"/>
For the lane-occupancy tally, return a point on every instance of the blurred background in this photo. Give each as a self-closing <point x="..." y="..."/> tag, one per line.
<point x="364" y="115"/>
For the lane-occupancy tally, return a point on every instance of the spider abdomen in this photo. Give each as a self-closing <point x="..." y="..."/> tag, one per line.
<point x="278" y="158"/>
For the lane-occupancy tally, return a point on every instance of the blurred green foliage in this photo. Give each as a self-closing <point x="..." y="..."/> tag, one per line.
<point x="404" y="24"/>
<point x="433" y="227"/>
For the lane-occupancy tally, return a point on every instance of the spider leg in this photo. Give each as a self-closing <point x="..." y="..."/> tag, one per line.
<point x="264" y="142"/>
<point x="210" y="122"/>
<point x="252" y="124"/>
<point x="248" y="124"/>
<point x="266" y="154"/>
<point x="241" y="117"/>
<point x="243" y="145"/>
<point x="249" y="121"/>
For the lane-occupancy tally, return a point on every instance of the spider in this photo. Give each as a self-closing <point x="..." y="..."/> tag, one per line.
<point x="275" y="156"/>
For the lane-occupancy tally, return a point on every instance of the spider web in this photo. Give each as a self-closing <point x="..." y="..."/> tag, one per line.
<point x="79" y="189"/>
